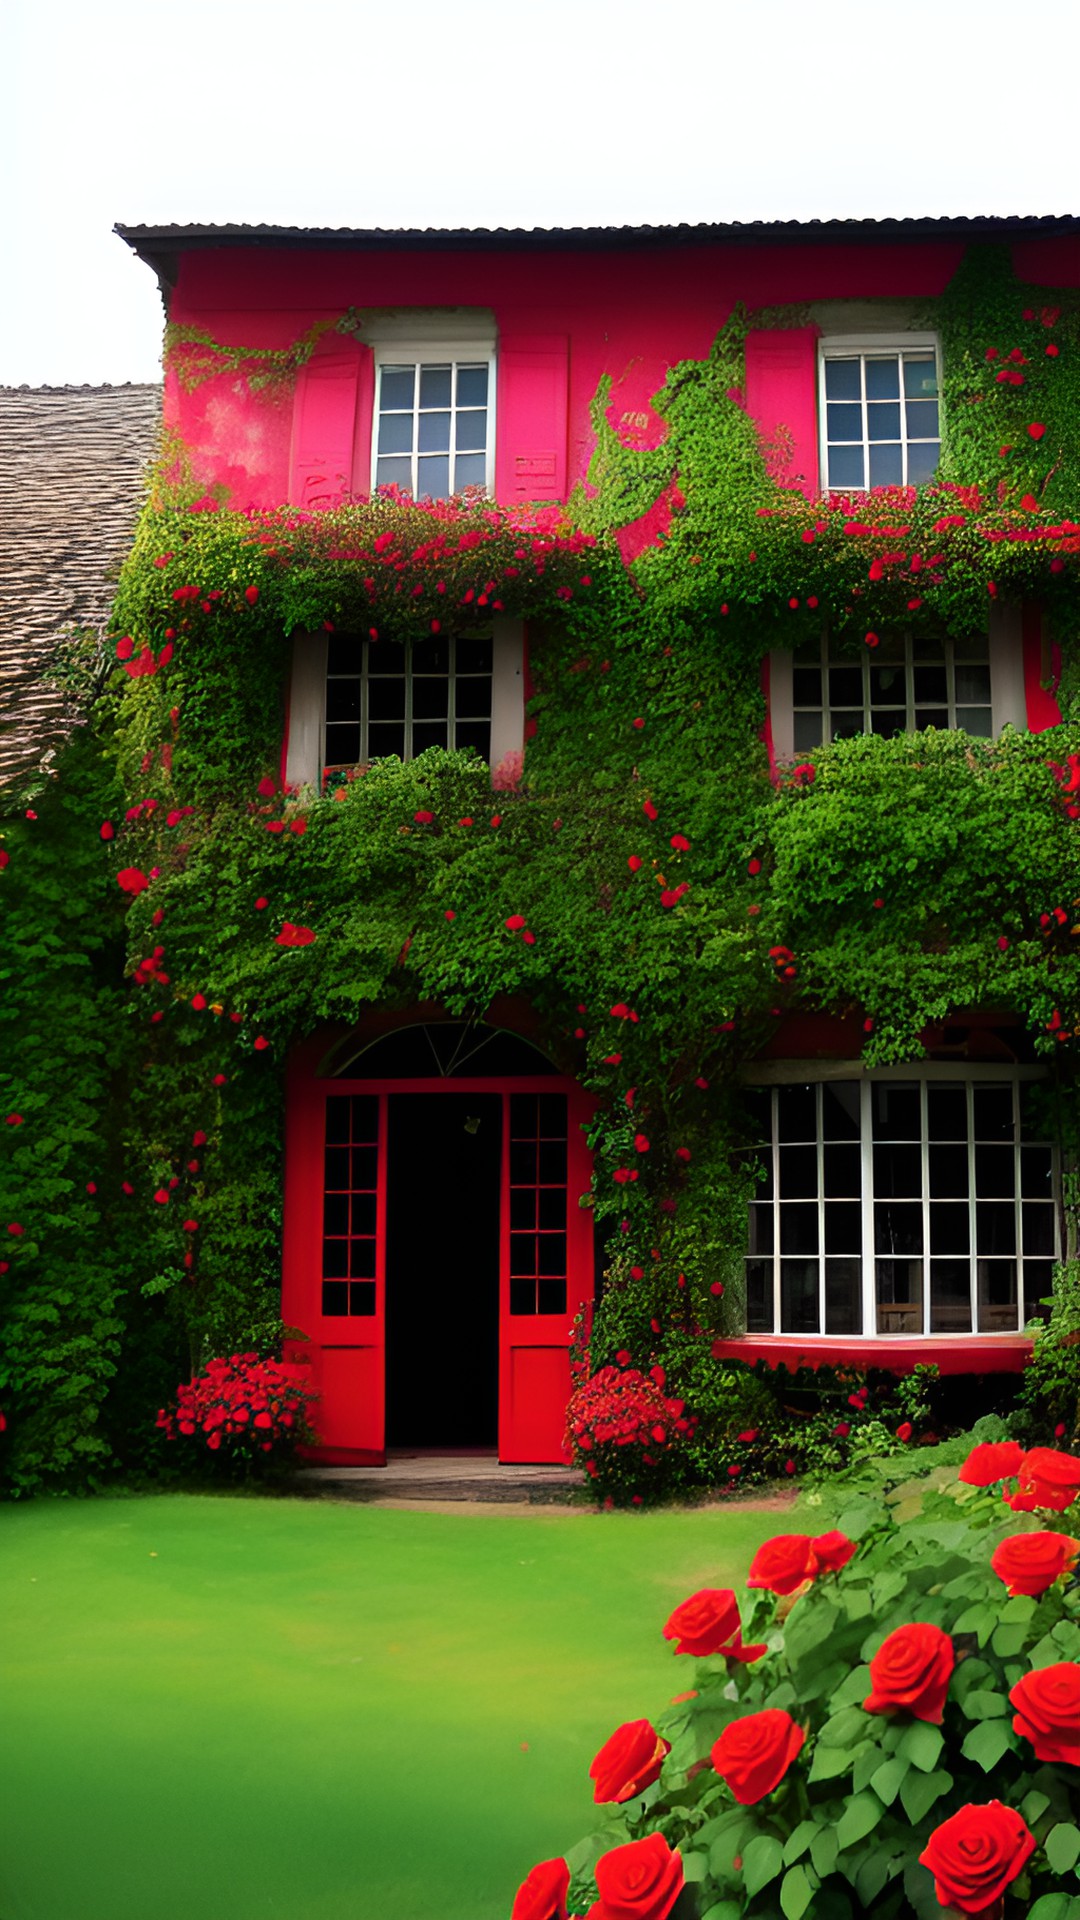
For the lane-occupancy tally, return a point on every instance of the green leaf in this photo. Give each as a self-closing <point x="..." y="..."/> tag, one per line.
<point x="1020" y="1607"/>
<point x="828" y="1763"/>
<point x="695" y="1866"/>
<point x="796" y="1892"/>
<point x="920" y="1790"/>
<point x="824" y="1848"/>
<point x="980" y="1619"/>
<point x="969" y="1673"/>
<point x="853" y="1691"/>
<point x="1009" y="1637"/>
<point x="1050" y="1906"/>
<point x="921" y="1744"/>
<point x="983" y="1705"/>
<point x="1033" y="1804"/>
<point x="845" y="1728"/>
<point x="870" y="1876"/>
<point x="762" y="1861"/>
<point x="796" y="1844"/>
<point x="860" y="1817"/>
<point x="987" y="1743"/>
<point x="723" y="1910"/>
<point x="889" y="1778"/>
<point x="1062" y="1846"/>
<point x="1067" y="1636"/>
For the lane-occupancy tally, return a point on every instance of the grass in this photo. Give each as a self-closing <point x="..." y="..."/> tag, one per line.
<point x="263" y="1708"/>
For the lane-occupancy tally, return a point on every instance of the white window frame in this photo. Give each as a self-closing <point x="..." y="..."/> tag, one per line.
<point x="839" y="346"/>
<point x="781" y="1073"/>
<point x="1008" y="699"/>
<point x="305" y="762"/>
<point x="421" y="352"/>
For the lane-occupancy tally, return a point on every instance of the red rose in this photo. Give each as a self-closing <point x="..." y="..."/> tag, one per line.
<point x="1031" y="1562"/>
<point x="132" y="880"/>
<point x="832" y="1551"/>
<point x="629" y="1762"/>
<point x="976" y="1855"/>
<point x="753" y="1754"/>
<point x="1047" y="1706"/>
<point x="911" y="1669"/>
<point x="904" y="1430"/>
<point x="542" y="1893"/>
<point x="789" y="1559"/>
<point x="641" y="1881"/>
<point x="1046" y="1479"/>
<point x="709" y="1623"/>
<point x="251" y="595"/>
<point x="993" y="1461"/>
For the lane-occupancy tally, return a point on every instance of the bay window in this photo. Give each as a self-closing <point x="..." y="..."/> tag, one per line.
<point x="901" y="1202"/>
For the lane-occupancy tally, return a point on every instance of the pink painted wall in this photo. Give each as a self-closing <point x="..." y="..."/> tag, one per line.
<point x="629" y="312"/>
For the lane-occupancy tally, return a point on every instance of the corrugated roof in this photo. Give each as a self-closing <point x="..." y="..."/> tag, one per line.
<point x="160" y="246"/>
<point x="73" y="464"/>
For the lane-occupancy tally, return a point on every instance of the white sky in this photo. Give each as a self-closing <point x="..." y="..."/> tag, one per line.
<point x="431" y="113"/>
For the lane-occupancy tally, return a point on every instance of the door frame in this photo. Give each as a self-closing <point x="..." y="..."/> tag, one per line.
<point x="345" y="1355"/>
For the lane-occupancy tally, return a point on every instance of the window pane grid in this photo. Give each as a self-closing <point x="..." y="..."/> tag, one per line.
<point x="948" y="1244"/>
<point x="906" y="684"/>
<point x="881" y="418"/>
<point x="538" y="1177"/>
<point x="382" y="699"/>
<point x="350" y="1205"/>
<point x="432" y="426"/>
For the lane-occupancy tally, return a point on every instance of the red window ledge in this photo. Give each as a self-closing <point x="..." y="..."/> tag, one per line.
<point x="952" y="1353"/>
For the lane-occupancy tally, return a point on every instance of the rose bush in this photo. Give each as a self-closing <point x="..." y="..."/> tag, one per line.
<point x="904" y="1742"/>
<point x="243" y="1413"/>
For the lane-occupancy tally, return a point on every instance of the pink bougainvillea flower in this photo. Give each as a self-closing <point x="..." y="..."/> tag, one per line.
<point x="132" y="880"/>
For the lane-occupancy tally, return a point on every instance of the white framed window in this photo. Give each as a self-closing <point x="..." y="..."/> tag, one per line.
<point x="878" y="407"/>
<point x="909" y="681"/>
<point x="352" y="699"/>
<point x="900" y="1201"/>
<point x="434" y="424"/>
<point x="385" y="699"/>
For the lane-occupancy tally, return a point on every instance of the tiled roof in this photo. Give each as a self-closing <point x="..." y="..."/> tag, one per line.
<point x="72" y="475"/>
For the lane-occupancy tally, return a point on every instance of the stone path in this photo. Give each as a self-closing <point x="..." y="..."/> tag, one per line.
<point x="470" y="1480"/>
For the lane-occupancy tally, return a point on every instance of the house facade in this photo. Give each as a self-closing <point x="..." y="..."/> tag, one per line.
<point x="683" y="424"/>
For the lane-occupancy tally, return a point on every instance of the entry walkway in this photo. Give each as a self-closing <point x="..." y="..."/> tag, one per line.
<point x="433" y="1476"/>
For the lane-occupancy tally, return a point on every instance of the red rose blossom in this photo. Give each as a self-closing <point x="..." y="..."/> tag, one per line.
<point x="1047" y="1479"/>
<point x="911" y="1671"/>
<point x="641" y="1881"/>
<point x="977" y="1854"/>
<point x="789" y="1559"/>
<point x="542" y="1893"/>
<point x="993" y="1461"/>
<point x="629" y="1762"/>
<point x="708" y="1623"/>
<point x="1047" y="1706"/>
<point x="1031" y="1562"/>
<point x="832" y="1551"/>
<point x="753" y="1754"/>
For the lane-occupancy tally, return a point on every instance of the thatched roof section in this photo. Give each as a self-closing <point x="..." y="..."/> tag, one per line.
<point x="73" y="466"/>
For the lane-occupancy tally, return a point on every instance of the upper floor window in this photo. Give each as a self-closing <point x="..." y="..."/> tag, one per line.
<point x="899" y="1204"/>
<point x="434" y="419"/>
<point x="879" y="411"/>
<point x="383" y="698"/>
<point x="906" y="683"/>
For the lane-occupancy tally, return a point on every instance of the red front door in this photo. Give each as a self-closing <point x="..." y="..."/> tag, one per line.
<point x="434" y="1247"/>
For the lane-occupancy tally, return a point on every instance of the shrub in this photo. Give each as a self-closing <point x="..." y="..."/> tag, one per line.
<point x="624" y="1433"/>
<point x="1050" y="1390"/>
<point x="241" y="1414"/>
<point x="895" y="1675"/>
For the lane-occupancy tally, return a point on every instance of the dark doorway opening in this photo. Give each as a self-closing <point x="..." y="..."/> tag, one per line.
<point x="444" y="1153"/>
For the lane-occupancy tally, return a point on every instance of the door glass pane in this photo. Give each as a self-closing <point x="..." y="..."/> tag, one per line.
<point x="799" y="1311"/>
<point x="843" y="1296"/>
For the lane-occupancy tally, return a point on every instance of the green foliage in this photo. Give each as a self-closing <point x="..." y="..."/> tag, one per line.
<point x="648" y="710"/>
<point x="1050" y="1395"/>
<point x="841" y="1829"/>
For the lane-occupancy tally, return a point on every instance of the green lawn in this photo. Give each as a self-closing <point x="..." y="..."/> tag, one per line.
<point x="239" y="1708"/>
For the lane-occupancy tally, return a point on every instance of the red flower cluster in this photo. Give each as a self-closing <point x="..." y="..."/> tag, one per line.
<point x="789" y="1560"/>
<point x="244" y="1404"/>
<point x="618" y="1409"/>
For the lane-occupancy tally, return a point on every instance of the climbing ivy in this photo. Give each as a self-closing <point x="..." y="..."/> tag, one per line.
<point x="176" y="921"/>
